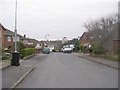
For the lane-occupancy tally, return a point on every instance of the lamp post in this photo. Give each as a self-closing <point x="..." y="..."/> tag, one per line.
<point x="15" y="54"/>
<point x="15" y="31"/>
<point x="47" y="37"/>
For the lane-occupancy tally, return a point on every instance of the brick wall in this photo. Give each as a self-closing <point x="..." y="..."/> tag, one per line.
<point x="2" y="36"/>
<point x="116" y="46"/>
<point x="85" y="38"/>
<point x="8" y="43"/>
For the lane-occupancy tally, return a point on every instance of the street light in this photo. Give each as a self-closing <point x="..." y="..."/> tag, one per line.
<point x="15" y="54"/>
<point x="15" y="31"/>
<point x="47" y="37"/>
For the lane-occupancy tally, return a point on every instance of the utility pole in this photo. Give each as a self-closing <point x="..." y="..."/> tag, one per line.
<point x="15" y="27"/>
<point x="15" y="54"/>
<point x="47" y="37"/>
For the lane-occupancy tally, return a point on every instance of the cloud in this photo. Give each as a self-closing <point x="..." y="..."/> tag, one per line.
<point x="59" y="18"/>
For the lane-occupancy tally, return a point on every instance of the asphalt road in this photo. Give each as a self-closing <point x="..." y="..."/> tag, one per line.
<point x="60" y="70"/>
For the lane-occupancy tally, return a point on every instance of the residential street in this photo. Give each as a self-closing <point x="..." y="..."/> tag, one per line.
<point x="60" y="70"/>
<point x="59" y="44"/>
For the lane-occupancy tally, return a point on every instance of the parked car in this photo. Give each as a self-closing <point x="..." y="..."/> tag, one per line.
<point x="67" y="50"/>
<point x="46" y="50"/>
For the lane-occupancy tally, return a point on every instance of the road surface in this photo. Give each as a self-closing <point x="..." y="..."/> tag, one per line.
<point x="59" y="70"/>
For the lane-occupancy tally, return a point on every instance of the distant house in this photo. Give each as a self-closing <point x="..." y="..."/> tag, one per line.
<point x="29" y="42"/>
<point x="86" y="38"/>
<point x="57" y="45"/>
<point x="51" y="47"/>
<point x="64" y="40"/>
<point x="49" y="44"/>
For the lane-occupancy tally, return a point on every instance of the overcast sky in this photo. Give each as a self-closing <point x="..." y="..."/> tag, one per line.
<point x="58" y="18"/>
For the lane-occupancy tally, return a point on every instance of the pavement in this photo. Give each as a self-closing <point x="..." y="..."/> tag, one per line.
<point x="6" y="63"/>
<point x="13" y="75"/>
<point x="106" y="62"/>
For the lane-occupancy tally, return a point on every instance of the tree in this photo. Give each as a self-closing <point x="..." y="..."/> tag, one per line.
<point x="103" y="31"/>
<point x="77" y="46"/>
<point x="20" y="46"/>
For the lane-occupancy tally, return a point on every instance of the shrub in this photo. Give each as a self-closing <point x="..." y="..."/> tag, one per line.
<point x="5" y="56"/>
<point x="81" y="47"/>
<point x="77" y="47"/>
<point x="97" y="49"/>
<point x="27" y="51"/>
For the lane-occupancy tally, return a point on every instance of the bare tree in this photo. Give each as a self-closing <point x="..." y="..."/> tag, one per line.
<point x="103" y="31"/>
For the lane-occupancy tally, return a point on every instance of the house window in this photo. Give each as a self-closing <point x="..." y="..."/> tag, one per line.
<point x="18" y="39"/>
<point x="9" y="39"/>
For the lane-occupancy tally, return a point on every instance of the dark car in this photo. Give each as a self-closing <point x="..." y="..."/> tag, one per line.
<point x="46" y="50"/>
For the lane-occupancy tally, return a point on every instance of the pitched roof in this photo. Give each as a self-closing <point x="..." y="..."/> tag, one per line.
<point x="11" y="33"/>
<point x="8" y="32"/>
<point x="2" y="26"/>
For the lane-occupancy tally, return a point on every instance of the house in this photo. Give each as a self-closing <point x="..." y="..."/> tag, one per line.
<point x="56" y="45"/>
<point x="29" y="42"/>
<point x="0" y="37"/>
<point x="49" y="44"/>
<point x="86" y="38"/>
<point x="2" y="30"/>
<point x="64" y="40"/>
<point x="8" y="38"/>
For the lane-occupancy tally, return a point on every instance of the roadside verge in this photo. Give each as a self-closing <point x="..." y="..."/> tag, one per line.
<point x="108" y="63"/>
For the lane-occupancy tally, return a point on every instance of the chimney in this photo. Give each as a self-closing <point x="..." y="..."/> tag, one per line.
<point x="24" y="36"/>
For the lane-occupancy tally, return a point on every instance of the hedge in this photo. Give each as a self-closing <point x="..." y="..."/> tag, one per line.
<point x="27" y="51"/>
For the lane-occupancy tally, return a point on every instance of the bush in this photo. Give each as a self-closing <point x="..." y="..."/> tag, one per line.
<point x="77" y="47"/>
<point x="97" y="49"/>
<point x="5" y="56"/>
<point x="81" y="47"/>
<point x="27" y="51"/>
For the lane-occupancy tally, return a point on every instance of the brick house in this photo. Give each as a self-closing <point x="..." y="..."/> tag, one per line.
<point x="86" y="38"/>
<point x="2" y="37"/>
<point x="8" y="38"/>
